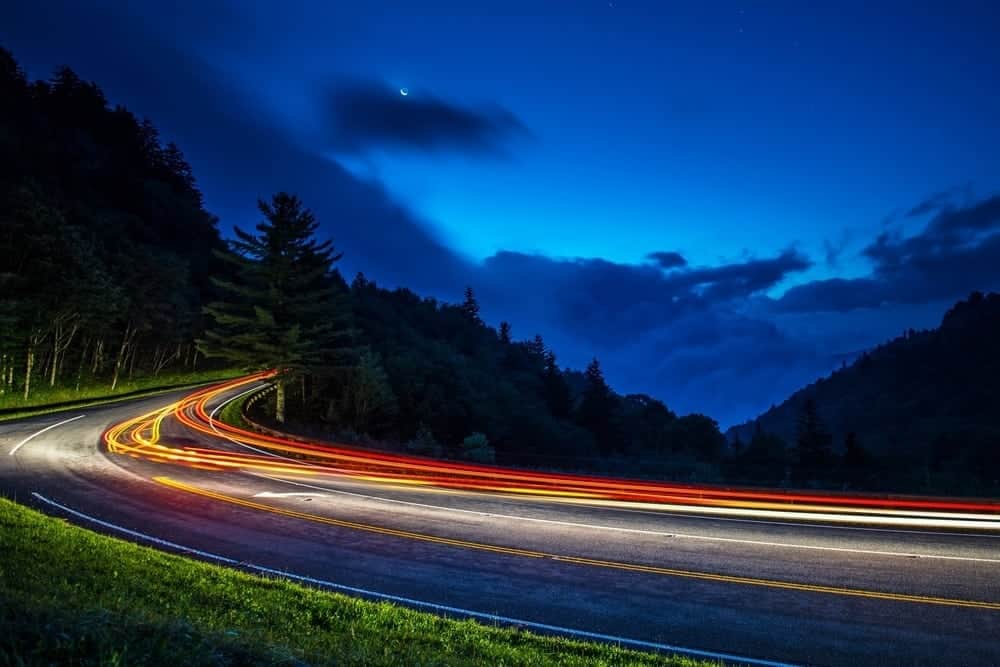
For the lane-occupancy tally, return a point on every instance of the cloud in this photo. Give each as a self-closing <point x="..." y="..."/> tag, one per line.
<point x="370" y="114"/>
<point x="667" y="259"/>
<point x="678" y="335"/>
<point x="832" y="250"/>
<point x="739" y="279"/>
<point x="934" y="202"/>
<point x="958" y="251"/>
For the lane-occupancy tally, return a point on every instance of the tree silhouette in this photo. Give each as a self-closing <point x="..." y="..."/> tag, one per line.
<point x="470" y="307"/>
<point x="505" y="332"/>
<point x="597" y="409"/>
<point x="558" y="396"/>
<point x="283" y="304"/>
<point x="813" y="443"/>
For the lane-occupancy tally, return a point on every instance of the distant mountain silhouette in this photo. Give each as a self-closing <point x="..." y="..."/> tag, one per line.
<point x="927" y="401"/>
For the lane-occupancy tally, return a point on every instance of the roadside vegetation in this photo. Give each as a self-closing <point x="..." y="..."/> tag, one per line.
<point x="72" y="596"/>
<point x="44" y="401"/>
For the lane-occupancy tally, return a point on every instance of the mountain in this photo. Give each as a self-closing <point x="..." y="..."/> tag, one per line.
<point x="924" y="403"/>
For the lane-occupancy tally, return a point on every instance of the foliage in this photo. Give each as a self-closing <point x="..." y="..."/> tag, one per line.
<point x="105" y="246"/>
<point x="477" y="448"/>
<point x="285" y="307"/>
<point x="424" y="443"/>
<point x="916" y="414"/>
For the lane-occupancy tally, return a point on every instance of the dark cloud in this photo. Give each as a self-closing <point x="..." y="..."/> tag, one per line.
<point x="832" y="250"/>
<point x="678" y="335"/>
<point x="370" y="114"/>
<point x="935" y="202"/>
<point x="667" y="259"/>
<point x="739" y="279"/>
<point x="957" y="252"/>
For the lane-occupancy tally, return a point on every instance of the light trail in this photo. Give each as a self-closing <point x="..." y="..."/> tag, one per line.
<point x="141" y="437"/>
<point x="579" y="560"/>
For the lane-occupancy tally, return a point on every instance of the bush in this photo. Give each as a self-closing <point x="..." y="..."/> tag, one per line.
<point x="477" y="448"/>
<point x="424" y="444"/>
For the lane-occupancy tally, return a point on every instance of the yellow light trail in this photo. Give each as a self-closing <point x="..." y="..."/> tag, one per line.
<point x="141" y="437"/>
<point x="579" y="560"/>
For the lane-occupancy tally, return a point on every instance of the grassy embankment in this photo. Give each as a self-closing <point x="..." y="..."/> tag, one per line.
<point x="72" y="596"/>
<point x="46" y="399"/>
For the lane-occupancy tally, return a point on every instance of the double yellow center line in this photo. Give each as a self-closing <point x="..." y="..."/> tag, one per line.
<point x="579" y="560"/>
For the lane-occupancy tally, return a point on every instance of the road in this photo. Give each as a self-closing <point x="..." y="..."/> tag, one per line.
<point x="759" y="584"/>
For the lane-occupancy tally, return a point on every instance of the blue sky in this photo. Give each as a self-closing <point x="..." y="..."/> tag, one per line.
<point x="545" y="150"/>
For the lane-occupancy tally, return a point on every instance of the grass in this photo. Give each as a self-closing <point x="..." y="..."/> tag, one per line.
<point x="72" y="596"/>
<point x="45" y="399"/>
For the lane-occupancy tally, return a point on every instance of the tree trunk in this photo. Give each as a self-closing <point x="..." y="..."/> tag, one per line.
<point x="131" y="364"/>
<point x="62" y="337"/>
<point x="279" y="402"/>
<point x="98" y="356"/>
<point x="29" y="365"/>
<point x="83" y="361"/>
<point x="122" y="354"/>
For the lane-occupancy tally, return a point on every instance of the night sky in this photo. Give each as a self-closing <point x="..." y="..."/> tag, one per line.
<point x="720" y="200"/>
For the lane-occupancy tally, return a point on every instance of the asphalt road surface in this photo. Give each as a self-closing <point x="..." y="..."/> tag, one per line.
<point x="752" y="589"/>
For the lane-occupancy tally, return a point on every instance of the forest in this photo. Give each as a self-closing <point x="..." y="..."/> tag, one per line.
<point x="105" y="244"/>
<point x="111" y="268"/>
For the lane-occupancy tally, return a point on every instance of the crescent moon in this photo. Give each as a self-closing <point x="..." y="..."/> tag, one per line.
<point x="404" y="91"/>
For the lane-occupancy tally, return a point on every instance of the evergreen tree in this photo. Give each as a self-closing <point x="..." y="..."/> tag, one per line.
<point x="505" y="332"/>
<point x="368" y="402"/>
<point x="536" y="346"/>
<point x="597" y="409"/>
<point x="285" y="310"/>
<point x="470" y="307"/>
<point x="855" y="458"/>
<point x="557" y="393"/>
<point x="813" y="442"/>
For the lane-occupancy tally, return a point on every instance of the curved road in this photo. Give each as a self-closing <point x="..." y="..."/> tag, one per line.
<point x="760" y="585"/>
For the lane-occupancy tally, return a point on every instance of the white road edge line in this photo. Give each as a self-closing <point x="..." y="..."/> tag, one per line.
<point x="637" y="531"/>
<point x="411" y="602"/>
<point x="38" y="433"/>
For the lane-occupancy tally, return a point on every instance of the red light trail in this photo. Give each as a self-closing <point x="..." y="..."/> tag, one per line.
<point x="141" y="437"/>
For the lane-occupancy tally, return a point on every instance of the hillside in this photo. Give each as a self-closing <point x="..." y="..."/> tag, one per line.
<point x="926" y="402"/>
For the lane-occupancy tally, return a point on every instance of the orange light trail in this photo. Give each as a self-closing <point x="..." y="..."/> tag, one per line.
<point x="141" y="437"/>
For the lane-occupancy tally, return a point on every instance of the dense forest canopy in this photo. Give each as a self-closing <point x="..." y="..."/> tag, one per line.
<point x="111" y="267"/>
<point x="105" y="245"/>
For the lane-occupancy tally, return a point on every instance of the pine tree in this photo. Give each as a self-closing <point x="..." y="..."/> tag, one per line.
<point x="813" y="442"/>
<point x="597" y="408"/>
<point x="368" y="400"/>
<point x="855" y="458"/>
<point x="557" y="393"/>
<point x="536" y="346"/>
<point x="505" y="332"/>
<point x="284" y="310"/>
<point x="470" y="307"/>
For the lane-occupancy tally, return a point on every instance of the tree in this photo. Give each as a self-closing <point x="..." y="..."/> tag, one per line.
<point x="597" y="409"/>
<point x="536" y="346"/>
<point x="813" y="443"/>
<point x="367" y="400"/>
<point x="558" y="396"/>
<point x="470" y="307"/>
<point x="855" y="458"/>
<point x="477" y="447"/>
<point x="424" y="443"/>
<point x="284" y="310"/>
<point x="505" y="332"/>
